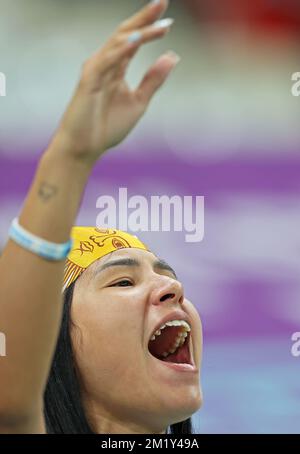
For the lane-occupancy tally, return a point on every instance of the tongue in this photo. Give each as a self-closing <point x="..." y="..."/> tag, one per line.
<point x="180" y="356"/>
<point x="165" y="341"/>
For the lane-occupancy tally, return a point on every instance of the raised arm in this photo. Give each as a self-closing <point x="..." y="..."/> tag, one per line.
<point x="101" y="113"/>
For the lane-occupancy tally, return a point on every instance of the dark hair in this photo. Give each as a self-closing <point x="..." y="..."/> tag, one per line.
<point x="64" y="413"/>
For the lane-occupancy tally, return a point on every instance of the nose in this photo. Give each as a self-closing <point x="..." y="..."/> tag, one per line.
<point x="167" y="291"/>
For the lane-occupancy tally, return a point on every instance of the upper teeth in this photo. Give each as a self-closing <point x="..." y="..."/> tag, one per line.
<point x="182" y="334"/>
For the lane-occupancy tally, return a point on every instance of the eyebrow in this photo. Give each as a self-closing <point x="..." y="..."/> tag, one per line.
<point x="158" y="264"/>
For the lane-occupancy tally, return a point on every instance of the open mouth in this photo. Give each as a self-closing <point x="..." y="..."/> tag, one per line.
<point x="172" y="345"/>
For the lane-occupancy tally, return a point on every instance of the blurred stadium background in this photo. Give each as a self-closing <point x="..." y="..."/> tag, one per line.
<point x="225" y="126"/>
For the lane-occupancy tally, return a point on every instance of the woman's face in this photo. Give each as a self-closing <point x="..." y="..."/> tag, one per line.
<point x="118" y="304"/>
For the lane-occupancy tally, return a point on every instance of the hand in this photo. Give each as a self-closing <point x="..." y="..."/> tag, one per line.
<point x="104" y="109"/>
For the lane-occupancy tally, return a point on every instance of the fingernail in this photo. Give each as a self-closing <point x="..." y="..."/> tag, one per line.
<point x="174" y="56"/>
<point x="155" y="2"/>
<point x="134" y="37"/>
<point x="163" y="23"/>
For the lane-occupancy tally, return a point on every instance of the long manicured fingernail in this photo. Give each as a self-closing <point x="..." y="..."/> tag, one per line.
<point x="163" y="23"/>
<point x="174" y="56"/>
<point x="134" y="37"/>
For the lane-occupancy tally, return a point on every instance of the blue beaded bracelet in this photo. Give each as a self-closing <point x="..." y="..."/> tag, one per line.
<point x="35" y="244"/>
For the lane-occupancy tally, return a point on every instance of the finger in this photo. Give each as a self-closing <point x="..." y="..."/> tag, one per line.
<point x="156" y="76"/>
<point x="145" y="16"/>
<point x="124" y="47"/>
<point x="138" y="38"/>
<point x="150" y="33"/>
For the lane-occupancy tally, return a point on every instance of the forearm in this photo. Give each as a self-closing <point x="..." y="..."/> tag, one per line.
<point x="30" y="287"/>
<point x="54" y="198"/>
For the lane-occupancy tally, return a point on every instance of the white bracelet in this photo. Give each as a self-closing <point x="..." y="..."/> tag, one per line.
<point x="37" y="245"/>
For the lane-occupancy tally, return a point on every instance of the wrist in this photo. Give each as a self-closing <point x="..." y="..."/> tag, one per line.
<point x="61" y="153"/>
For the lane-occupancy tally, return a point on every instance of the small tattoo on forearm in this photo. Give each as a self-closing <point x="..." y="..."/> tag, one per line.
<point x="47" y="191"/>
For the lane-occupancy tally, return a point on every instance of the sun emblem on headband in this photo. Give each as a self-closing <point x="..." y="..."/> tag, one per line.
<point x="119" y="244"/>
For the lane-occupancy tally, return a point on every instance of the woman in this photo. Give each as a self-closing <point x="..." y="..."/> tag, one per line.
<point x="122" y="304"/>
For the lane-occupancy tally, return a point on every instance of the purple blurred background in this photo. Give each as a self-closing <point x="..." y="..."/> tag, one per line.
<point x="226" y="127"/>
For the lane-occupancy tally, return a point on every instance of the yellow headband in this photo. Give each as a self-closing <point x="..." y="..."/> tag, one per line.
<point x="90" y="244"/>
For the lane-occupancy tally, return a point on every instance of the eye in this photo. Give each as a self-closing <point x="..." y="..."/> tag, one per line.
<point x="123" y="283"/>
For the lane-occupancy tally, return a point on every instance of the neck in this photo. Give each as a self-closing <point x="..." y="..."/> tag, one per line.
<point x="104" y="422"/>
